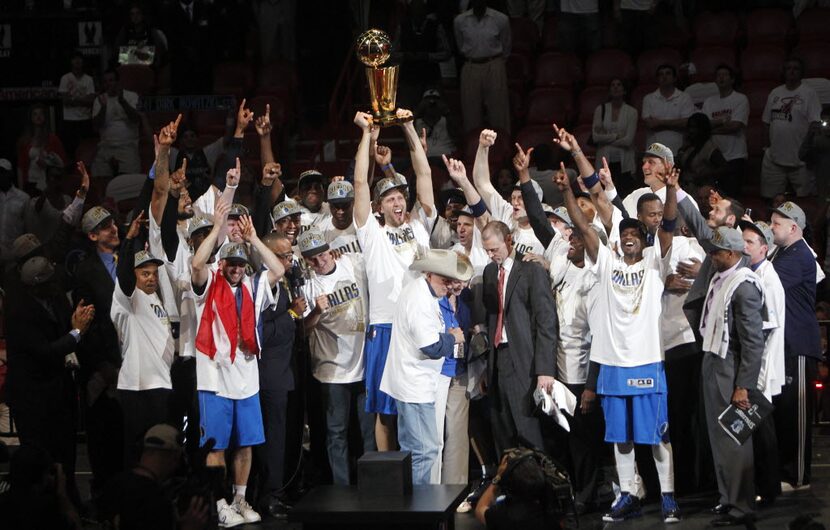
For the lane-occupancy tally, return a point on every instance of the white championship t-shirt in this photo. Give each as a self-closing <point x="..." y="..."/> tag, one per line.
<point x="571" y="285"/>
<point x="524" y="239"/>
<point x="239" y="379"/>
<point x="388" y="253"/>
<point x="342" y="241"/>
<point x="336" y="341"/>
<point x="76" y="88"/>
<point x="118" y="128"/>
<point x="789" y="114"/>
<point x="310" y="219"/>
<point x="734" y="107"/>
<point x="674" y="326"/>
<point x="409" y="375"/>
<point x="146" y="342"/>
<point x="625" y="319"/>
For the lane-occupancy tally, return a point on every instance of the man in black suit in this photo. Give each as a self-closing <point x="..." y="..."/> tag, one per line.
<point x="42" y="333"/>
<point x="522" y="324"/>
<point x="99" y="353"/>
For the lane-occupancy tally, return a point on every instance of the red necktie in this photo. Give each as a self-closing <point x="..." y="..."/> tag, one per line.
<point x="500" y="318"/>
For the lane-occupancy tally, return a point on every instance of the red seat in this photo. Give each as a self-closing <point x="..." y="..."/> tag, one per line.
<point x="755" y="137"/>
<point x="768" y="26"/>
<point x="649" y="60"/>
<point x="670" y="34"/>
<point x="137" y="77"/>
<point x="534" y="135"/>
<point x="558" y="69"/>
<point x="637" y="95"/>
<point x="498" y="152"/>
<point x="706" y="61"/>
<point x="715" y="29"/>
<point x="812" y="25"/>
<point x="278" y="74"/>
<point x="232" y="78"/>
<point x="519" y="68"/>
<point x="589" y="100"/>
<point x="524" y="35"/>
<point x="549" y="36"/>
<point x="550" y="105"/>
<point x="816" y="57"/>
<point x="209" y="123"/>
<point x="762" y="62"/>
<point x="756" y="92"/>
<point x="604" y="65"/>
<point x="258" y="105"/>
<point x="517" y="105"/>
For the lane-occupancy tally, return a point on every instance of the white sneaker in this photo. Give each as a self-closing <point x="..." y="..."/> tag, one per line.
<point x="227" y="516"/>
<point x="786" y="487"/>
<point x="246" y="511"/>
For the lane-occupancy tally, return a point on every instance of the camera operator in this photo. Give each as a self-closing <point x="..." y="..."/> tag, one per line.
<point x="139" y="498"/>
<point x="517" y="497"/>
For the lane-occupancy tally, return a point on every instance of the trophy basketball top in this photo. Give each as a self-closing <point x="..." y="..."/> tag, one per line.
<point x="373" y="47"/>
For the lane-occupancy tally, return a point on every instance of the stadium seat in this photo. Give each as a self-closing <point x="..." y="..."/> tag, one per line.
<point x="517" y="105"/>
<point x="278" y="74"/>
<point x="549" y="36"/>
<point x="498" y="153"/>
<point x="278" y="112"/>
<point x="670" y="34"/>
<point x="549" y="105"/>
<point x="604" y="65"/>
<point x="756" y="92"/>
<point x="232" y="78"/>
<point x="762" y="62"/>
<point x="639" y="92"/>
<point x="768" y="26"/>
<point x="137" y="77"/>
<point x="589" y="99"/>
<point x="533" y="135"/>
<point x="649" y="60"/>
<point x="755" y="137"/>
<point x="812" y="24"/>
<point x="816" y="56"/>
<point x="706" y="60"/>
<point x="524" y="35"/>
<point x="715" y="29"/>
<point x="558" y="69"/>
<point x="582" y="133"/>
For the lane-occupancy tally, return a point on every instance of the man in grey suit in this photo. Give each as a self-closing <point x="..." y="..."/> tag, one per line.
<point x="733" y="343"/>
<point x="522" y="324"/>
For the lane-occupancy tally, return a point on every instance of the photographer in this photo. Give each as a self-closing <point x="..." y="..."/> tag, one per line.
<point x="517" y="496"/>
<point x="137" y="498"/>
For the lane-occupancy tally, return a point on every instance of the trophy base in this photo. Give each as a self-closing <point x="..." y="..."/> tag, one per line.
<point x="388" y="120"/>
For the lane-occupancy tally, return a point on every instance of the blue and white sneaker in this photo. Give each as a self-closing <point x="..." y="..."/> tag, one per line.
<point x="626" y="507"/>
<point x="671" y="511"/>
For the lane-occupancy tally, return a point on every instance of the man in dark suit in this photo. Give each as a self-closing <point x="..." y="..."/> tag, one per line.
<point x="99" y="353"/>
<point x="731" y="367"/>
<point x="522" y="324"/>
<point x="42" y="333"/>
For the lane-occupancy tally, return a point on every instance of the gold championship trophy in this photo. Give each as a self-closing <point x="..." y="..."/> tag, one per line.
<point x="373" y="47"/>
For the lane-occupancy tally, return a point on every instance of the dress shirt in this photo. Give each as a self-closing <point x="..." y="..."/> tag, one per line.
<point x="718" y="281"/>
<point x="485" y="37"/>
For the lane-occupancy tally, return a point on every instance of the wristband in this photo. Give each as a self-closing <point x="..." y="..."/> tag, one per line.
<point x="591" y="180"/>
<point x="294" y="314"/>
<point x="611" y="194"/>
<point x="479" y="208"/>
<point x="387" y="167"/>
<point x="668" y="225"/>
<point x="231" y="187"/>
<point x="152" y="173"/>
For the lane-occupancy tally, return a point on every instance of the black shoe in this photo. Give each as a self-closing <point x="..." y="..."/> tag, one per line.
<point x="720" y="509"/>
<point x="731" y="520"/>
<point x="278" y="509"/>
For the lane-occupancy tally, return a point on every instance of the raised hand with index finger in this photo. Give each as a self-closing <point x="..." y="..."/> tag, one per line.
<point x="521" y="161"/>
<point x="243" y="116"/>
<point x="263" y="123"/>
<point x="233" y="175"/>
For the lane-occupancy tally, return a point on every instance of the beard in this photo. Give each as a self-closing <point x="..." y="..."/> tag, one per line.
<point x="184" y="216"/>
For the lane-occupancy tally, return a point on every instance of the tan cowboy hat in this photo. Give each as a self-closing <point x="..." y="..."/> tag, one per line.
<point x="445" y="263"/>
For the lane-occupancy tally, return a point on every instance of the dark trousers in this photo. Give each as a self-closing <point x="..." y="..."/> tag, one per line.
<point x="72" y="132"/>
<point x="767" y="471"/>
<point x="683" y="379"/>
<point x="271" y="454"/>
<point x="339" y="401"/>
<point x="513" y="418"/>
<point x="586" y="447"/>
<point x="142" y="409"/>
<point x="105" y="440"/>
<point x="794" y="419"/>
<point x="185" y="401"/>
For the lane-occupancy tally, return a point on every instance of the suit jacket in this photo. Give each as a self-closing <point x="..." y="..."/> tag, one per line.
<point x="746" y="336"/>
<point x="529" y="316"/>
<point x="38" y="340"/>
<point x="99" y="347"/>
<point x="277" y="331"/>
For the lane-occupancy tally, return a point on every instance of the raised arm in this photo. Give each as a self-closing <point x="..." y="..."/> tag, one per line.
<point x="575" y="212"/>
<point x="481" y="166"/>
<point x="198" y="266"/>
<point x="666" y="231"/>
<point x="266" y="152"/>
<point x="276" y="270"/>
<point x="232" y="178"/>
<point x="362" y="195"/>
<point x="458" y="174"/>
<point x="126" y="265"/>
<point x="161" y="184"/>
<point x="420" y="164"/>
<point x="533" y="206"/>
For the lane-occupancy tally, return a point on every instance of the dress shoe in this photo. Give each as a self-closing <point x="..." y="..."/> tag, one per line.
<point x="720" y="509"/>
<point x="278" y="509"/>
<point x="731" y="520"/>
